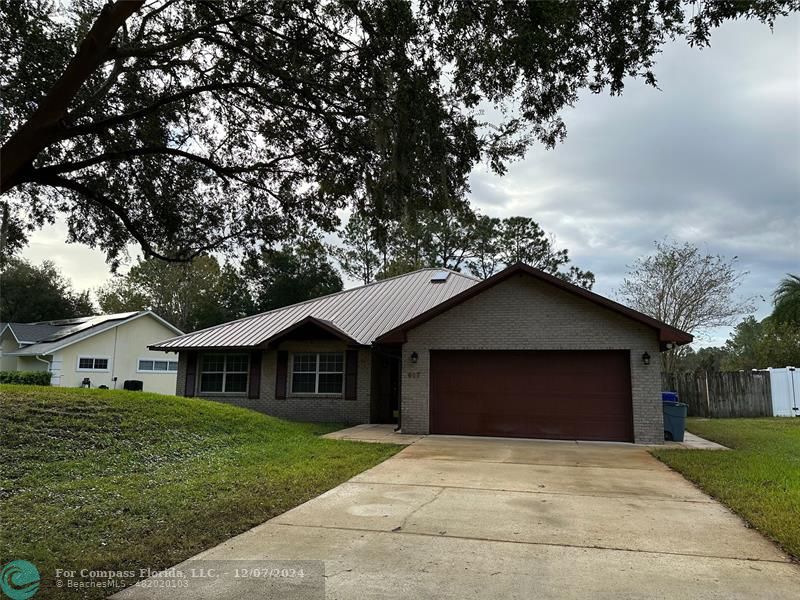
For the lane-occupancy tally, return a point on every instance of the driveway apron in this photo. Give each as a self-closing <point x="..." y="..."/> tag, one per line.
<point x="456" y="517"/>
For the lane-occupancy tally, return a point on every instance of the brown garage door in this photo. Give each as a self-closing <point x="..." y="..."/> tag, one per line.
<point x="571" y="395"/>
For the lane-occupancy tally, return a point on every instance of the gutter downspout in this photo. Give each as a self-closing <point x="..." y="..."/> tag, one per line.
<point x="114" y="359"/>
<point x="49" y="365"/>
<point x="399" y="390"/>
<point x="399" y="408"/>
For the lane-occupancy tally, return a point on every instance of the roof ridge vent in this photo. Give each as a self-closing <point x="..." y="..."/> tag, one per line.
<point x="440" y="276"/>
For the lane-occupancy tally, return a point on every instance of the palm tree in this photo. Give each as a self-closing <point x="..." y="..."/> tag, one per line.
<point x="787" y="300"/>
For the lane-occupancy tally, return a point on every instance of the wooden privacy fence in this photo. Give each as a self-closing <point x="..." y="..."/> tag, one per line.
<point x="736" y="394"/>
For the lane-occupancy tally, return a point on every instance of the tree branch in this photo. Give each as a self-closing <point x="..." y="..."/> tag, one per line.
<point x="42" y="175"/>
<point x="42" y="128"/>
<point x="102" y="89"/>
<point x="181" y="40"/>
<point x="116" y="209"/>
<point x="98" y="126"/>
<point x="148" y="249"/>
<point x="153" y="13"/>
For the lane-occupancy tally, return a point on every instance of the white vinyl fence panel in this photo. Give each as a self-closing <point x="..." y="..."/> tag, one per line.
<point x="785" y="384"/>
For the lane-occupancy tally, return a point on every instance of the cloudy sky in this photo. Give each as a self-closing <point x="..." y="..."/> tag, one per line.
<point x="712" y="158"/>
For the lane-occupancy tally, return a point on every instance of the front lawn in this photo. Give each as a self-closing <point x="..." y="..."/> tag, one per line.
<point x="117" y="480"/>
<point x="759" y="478"/>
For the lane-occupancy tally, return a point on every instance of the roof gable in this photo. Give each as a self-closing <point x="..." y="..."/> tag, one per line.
<point x="667" y="333"/>
<point x="78" y="330"/>
<point x="30" y="333"/>
<point x="310" y="324"/>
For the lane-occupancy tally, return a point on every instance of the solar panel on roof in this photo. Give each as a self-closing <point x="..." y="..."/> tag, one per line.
<point x="84" y="324"/>
<point x="61" y="322"/>
<point x="440" y="276"/>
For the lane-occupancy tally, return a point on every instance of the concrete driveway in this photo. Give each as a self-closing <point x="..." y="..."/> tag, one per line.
<point x="452" y="517"/>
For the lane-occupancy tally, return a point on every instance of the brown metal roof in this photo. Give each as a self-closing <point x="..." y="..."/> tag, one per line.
<point x="666" y="333"/>
<point x="362" y="313"/>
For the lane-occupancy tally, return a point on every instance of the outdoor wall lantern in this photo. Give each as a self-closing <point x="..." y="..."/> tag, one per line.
<point x="646" y="358"/>
<point x="414" y="357"/>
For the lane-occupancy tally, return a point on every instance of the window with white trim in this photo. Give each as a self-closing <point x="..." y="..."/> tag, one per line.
<point x="224" y="373"/>
<point x="317" y="372"/>
<point x="92" y="363"/>
<point x="151" y="365"/>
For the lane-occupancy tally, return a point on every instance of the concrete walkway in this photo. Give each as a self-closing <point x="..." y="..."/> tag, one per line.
<point x="386" y="434"/>
<point x="695" y="442"/>
<point x="373" y="432"/>
<point x="452" y="517"/>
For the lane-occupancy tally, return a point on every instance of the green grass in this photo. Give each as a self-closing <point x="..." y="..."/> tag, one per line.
<point x="759" y="478"/>
<point x="118" y="480"/>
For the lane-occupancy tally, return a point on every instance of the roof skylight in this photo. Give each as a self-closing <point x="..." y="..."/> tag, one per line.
<point x="440" y="276"/>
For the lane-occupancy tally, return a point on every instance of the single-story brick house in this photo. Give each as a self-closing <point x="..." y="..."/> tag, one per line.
<point x="521" y="353"/>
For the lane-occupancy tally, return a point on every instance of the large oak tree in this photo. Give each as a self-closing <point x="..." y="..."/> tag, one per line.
<point x="187" y="126"/>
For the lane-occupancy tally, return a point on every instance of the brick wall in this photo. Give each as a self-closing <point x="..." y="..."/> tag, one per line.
<point x="319" y="408"/>
<point x="316" y="408"/>
<point x="180" y="384"/>
<point x="522" y="313"/>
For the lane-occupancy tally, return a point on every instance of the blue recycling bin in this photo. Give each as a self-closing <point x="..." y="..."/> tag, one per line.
<point x="674" y="420"/>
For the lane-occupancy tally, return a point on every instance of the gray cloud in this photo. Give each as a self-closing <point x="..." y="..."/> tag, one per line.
<point x="713" y="158"/>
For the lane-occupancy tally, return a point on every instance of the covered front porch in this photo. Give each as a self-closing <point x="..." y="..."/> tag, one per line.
<point x="309" y="371"/>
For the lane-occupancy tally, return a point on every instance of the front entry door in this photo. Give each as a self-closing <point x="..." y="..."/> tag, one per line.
<point x="386" y="387"/>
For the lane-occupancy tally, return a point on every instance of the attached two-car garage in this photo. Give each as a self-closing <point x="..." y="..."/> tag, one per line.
<point x="571" y="394"/>
<point x="526" y="354"/>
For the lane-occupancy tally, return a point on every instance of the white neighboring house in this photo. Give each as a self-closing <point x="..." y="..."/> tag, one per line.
<point x="105" y="349"/>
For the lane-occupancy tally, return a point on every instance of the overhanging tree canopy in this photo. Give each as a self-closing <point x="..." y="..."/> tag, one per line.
<point x="190" y="126"/>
